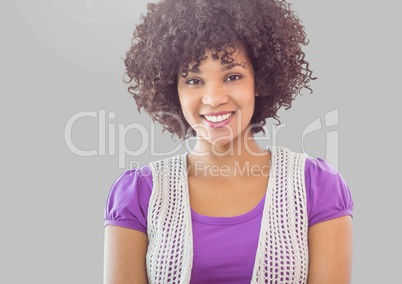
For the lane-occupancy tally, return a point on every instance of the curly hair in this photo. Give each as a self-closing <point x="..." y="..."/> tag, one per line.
<point x="174" y="33"/>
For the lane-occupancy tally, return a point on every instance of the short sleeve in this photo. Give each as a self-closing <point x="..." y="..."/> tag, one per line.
<point x="127" y="203"/>
<point x="328" y="196"/>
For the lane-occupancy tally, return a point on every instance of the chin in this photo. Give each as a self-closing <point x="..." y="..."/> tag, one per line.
<point x="219" y="141"/>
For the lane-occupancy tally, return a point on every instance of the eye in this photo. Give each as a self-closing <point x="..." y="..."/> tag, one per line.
<point x="233" y="77"/>
<point x="193" y="82"/>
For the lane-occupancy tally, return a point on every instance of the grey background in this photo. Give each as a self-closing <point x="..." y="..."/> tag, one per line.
<point x="59" y="58"/>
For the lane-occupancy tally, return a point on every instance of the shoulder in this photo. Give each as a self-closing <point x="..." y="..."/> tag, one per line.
<point x="328" y="196"/>
<point x="132" y="182"/>
<point x="133" y="178"/>
<point x="127" y="202"/>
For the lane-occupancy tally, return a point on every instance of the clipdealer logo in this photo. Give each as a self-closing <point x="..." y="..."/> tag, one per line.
<point x="331" y="119"/>
<point x="112" y="137"/>
<point x="107" y="142"/>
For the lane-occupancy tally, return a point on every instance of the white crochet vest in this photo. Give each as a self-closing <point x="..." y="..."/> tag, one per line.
<point x="282" y="253"/>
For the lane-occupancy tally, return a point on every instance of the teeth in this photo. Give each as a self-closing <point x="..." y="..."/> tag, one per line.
<point x="218" y="118"/>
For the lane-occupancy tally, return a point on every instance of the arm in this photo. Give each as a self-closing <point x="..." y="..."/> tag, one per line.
<point x="124" y="256"/>
<point x="330" y="249"/>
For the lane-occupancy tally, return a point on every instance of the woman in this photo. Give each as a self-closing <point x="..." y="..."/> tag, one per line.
<point x="229" y="211"/>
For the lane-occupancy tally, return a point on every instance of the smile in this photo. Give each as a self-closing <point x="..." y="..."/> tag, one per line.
<point x="218" y="118"/>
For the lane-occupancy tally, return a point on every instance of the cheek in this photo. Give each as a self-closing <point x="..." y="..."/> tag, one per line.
<point x="187" y="107"/>
<point x="248" y="100"/>
<point x="181" y="99"/>
<point x="248" y="107"/>
<point x="183" y="103"/>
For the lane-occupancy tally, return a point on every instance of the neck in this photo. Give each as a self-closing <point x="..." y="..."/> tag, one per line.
<point x="237" y="153"/>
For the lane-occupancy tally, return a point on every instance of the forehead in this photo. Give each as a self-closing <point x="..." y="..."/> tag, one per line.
<point x="229" y="56"/>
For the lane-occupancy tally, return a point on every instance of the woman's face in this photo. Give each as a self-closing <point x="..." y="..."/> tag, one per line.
<point x="218" y="100"/>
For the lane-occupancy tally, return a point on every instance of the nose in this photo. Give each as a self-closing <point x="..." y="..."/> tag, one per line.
<point x="215" y="95"/>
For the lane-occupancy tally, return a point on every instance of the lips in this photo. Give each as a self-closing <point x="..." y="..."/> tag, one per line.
<point x="218" y="119"/>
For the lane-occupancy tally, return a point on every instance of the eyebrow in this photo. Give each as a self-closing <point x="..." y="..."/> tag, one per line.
<point x="224" y="68"/>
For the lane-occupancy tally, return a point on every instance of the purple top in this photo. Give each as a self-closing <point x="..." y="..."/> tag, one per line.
<point x="225" y="247"/>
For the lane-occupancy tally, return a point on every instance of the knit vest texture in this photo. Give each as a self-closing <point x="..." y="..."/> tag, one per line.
<point x="282" y="252"/>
